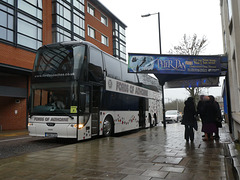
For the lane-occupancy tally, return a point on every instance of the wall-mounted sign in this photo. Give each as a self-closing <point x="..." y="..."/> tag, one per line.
<point x="174" y="64"/>
<point x="203" y="82"/>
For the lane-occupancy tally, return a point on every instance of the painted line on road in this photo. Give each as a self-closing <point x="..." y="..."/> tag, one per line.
<point x="5" y="140"/>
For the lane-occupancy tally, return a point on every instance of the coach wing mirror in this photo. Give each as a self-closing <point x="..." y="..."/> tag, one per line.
<point x="29" y="103"/>
<point x="82" y="101"/>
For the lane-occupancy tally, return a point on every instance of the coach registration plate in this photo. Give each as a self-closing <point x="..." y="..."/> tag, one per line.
<point x="51" y="134"/>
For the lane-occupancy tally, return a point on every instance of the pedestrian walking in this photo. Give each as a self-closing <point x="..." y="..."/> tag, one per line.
<point x="200" y="112"/>
<point x="189" y="119"/>
<point x="210" y="111"/>
<point x="218" y="119"/>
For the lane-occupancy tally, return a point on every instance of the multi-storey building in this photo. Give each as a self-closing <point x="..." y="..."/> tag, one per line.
<point x="230" y="13"/>
<point x="26" y="25"/>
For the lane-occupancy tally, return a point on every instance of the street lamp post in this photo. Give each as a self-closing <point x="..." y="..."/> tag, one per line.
<point x="160" y="50"/>
<point x="159" y="29"/>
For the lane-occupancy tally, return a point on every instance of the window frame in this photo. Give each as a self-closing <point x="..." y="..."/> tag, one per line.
<point x="76" y="29"/>
<point x="105" y="38"/>
<point x="119" y="41"/>
<point x="104" y="19"/>
<point x="91" y="29"/>
<point x="33" y="18"/>
<point x="91" y="9"/>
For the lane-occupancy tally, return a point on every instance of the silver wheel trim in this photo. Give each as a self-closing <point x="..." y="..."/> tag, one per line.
<point x="107" y="127"/>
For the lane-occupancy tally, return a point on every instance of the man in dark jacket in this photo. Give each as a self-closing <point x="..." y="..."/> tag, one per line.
<point x="218" y="117"/>
<point x="209" y="127"/>
<point x="189" y="119"/>
<point x="200" y="111"/>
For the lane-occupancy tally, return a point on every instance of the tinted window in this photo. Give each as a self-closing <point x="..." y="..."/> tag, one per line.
<point x="118" y="101"/>
<point x="60" y="62"/>
<point x="113" y="67"/>
<point x="95" y="65"/>
<point x="130" y="77"/>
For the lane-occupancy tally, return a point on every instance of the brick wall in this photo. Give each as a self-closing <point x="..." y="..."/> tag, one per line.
<point x="22" y="58"/>
<point x="16" y="57"/>
<point x="95" y="22"/>
<point x="47" y="22"/>
<point x="12" y="113"/>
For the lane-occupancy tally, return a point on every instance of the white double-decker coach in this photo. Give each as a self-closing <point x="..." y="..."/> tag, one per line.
<point x="79" y="91"/>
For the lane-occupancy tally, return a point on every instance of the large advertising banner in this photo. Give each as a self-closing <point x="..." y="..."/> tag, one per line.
<point x="174" y="64"/>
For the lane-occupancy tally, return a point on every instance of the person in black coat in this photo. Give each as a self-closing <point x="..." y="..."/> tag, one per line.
<point x="189" y="119"/>
<point x="218" y="117"/>
<point x="210" y="110"/>
<point x="200" y="111"/>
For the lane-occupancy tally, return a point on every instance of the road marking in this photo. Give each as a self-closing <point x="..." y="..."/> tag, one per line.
<point x="6" y="140"/>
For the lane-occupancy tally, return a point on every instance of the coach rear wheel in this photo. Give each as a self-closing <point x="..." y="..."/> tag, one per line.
<point x="108" y="127"/>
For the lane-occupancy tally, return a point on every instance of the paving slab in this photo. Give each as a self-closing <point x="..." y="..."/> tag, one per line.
<point x="154" y="153"/>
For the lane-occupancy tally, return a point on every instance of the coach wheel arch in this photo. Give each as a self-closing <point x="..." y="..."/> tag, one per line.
<point x="108" y="126"/>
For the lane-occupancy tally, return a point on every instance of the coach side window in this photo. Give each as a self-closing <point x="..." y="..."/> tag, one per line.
<point x="129" y="77"/>
<point x="113" y="67"/>
<point x="95" y="65"/>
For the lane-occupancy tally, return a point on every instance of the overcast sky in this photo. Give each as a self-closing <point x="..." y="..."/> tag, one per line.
<point x="177" y="17"/>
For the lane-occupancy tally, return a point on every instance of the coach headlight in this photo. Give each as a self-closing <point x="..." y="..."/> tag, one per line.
<point x="79" y="126"/>
<point x="30" y="124"/>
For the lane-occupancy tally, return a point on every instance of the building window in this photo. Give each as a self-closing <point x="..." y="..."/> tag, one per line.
<point x="68" y="20"/>
<point x="91" y="32"/>
<point x="29" y="32"/>
<point x="31" y="7"/>
<point x="104" y="20"/>
<point x="104" y="40"/>
<point x="229" y="9"/>
<point x="6" y="23"/>
<point x="119" y="41"/>
<point x="79" y="4"/>
<point x="21" y="22"/>
<point x="91" y="9"/>
<point x="121" y="30"/>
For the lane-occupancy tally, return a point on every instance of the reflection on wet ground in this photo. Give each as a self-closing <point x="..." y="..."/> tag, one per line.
<point x="147" y="154"/>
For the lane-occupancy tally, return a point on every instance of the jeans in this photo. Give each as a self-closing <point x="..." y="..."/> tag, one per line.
<point x="189" y="134"/>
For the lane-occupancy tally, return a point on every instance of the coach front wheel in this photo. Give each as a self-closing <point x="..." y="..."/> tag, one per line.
<point x="108" y="127"/>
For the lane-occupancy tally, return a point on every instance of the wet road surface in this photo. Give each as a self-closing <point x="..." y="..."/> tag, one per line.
<point x="147" y="154"/>
<point x="18" y="145"/>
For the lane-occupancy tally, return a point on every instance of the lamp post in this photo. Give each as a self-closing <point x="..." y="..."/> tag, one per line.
<point x="160" y="50"/>
<point x="159" y="30"/>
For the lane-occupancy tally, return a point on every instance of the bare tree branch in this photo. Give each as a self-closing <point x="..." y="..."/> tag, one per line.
<point x="191" y="45"/>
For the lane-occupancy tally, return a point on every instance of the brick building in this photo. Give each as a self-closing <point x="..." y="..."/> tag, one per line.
<point x="26" y="25"/>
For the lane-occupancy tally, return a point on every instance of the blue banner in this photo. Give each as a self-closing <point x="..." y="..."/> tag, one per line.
<point x="174" y="64"/>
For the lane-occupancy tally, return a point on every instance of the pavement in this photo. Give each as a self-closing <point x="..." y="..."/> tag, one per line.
<point x="149" y="154"/>
<point x="13" y="133"/>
